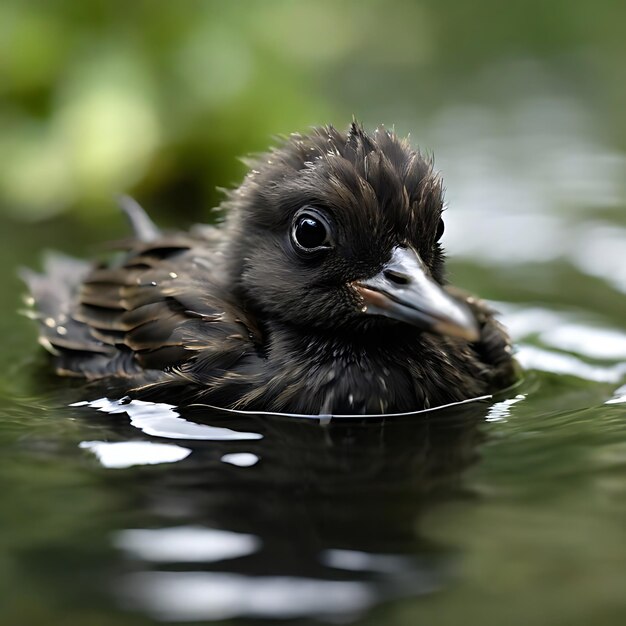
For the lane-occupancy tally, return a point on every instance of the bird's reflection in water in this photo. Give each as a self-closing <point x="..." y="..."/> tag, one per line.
<point x="292" y="517"/>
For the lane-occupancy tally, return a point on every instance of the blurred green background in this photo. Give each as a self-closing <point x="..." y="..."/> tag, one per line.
<point x="160" y="98"/>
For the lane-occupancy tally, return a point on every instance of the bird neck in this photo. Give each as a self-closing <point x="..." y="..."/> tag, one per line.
<point x="359" y="343"/>
<point x="390" y="369"/>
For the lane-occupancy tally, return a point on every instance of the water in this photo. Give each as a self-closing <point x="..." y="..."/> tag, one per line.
<point x="505" y="510"/>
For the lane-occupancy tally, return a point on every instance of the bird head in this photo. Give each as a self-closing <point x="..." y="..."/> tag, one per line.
<point x="336" y="229"/>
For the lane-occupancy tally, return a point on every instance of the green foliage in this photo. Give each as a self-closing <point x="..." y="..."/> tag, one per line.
<point x="160" y="98"/>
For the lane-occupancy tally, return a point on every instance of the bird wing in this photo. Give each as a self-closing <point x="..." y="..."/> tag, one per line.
<point x="146" y="316"/>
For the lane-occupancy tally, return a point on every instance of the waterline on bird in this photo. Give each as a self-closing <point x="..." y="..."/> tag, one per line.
<point x="328" y="416"/>
<point x="163" y="420"/>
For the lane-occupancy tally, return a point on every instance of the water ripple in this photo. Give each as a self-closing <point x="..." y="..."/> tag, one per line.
<point x="163" y="420"/>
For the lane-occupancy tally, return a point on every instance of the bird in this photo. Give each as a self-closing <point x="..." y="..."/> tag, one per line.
<point x="323" y="291"/>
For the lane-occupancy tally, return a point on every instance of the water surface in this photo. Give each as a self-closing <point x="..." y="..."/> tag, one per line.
<point x="507" y="510"/>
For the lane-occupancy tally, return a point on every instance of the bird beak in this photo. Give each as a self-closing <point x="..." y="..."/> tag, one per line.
<point x="404" y="291"/>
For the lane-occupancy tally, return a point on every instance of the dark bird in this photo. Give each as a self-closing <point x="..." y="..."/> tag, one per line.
<point x="323" y="292"/>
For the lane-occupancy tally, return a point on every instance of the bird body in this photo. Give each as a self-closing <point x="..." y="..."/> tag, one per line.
<point x="322" y="293"/>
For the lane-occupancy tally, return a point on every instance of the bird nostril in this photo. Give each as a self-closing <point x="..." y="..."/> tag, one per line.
<point x="396" y="277"/>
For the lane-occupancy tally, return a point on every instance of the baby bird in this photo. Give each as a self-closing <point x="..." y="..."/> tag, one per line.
<point x="322" y="293"/>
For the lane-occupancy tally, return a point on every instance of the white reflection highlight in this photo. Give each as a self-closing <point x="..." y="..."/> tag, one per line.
<point x="162" y="420"/>
<point x="533" y="358"/>
<point x="195" y="596"/>
<point x="561" y="330"/>
<point x="241" y="459"/>
<point x="122" y="454"/>
<point x="358" y="561"/>
<point x="596" y="343"/>
<point x="185" y="544"/>
<point x="619" y="397"/>
<point x="501" y="410"/>
<point x="521" y="322"/>
<point x="602" y="253"/>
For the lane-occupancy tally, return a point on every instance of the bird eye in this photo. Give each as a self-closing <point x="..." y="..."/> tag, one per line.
<point x="440" y="229"/>
<point x="310" y="231"/>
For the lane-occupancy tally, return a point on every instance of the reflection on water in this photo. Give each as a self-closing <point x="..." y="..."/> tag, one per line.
<point x="619" y="396"/>
<point x="128" y="453"/>
<point x="565" y="343"/>
<point x="198" y="596"/>
<point x="534" y="358"/>
<point x="163" y="420"/>
<point x="242" y="459"/>
<point x="596" y="343"/>
<point x="185" y="544"/>
<point x="501" y="410"/>
<point x="284" y="517"/>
